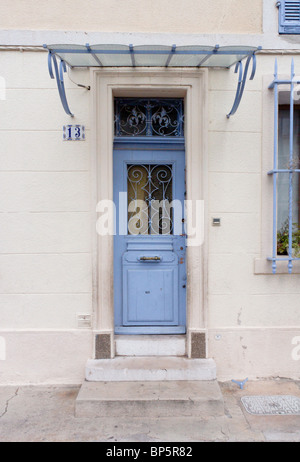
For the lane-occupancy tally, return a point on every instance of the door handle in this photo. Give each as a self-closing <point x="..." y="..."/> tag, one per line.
<point x="150" y="258"/>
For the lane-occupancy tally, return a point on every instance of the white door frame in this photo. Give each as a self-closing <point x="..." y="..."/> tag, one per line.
<point x="107" y="83"/>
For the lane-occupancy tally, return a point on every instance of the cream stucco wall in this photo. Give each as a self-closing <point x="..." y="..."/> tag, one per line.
<point x="253" y="318"/>
<point x="176" y="16"/>
<point x="48" y="190"/>
<point x="48" y="228"/>
<point x="45" y="262"/>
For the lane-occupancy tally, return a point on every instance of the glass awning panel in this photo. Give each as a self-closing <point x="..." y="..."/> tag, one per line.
<point x="60" y="56"/>
<point x="150" y="55"/>
<point x="228" y="56"/>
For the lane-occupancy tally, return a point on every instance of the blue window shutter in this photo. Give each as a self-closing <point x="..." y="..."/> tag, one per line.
<point x="289" y="16"/>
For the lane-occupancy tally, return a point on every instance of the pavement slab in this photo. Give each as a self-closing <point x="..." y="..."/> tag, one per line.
<point x="47" y="414"/>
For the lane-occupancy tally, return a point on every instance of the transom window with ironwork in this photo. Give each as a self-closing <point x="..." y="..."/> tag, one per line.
<point x="149" y="117"/>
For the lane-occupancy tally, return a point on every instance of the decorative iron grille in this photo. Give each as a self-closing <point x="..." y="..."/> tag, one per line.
<point x="149" y="189"/>
<point x="288" y="171"/>
<point x="149" y="117"/>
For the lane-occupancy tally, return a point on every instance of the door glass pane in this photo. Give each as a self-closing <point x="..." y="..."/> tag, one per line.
<point x="149" y="189"/>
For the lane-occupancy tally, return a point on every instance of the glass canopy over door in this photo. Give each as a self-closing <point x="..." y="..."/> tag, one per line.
<point x="150" y="55"/>
<point x="196" y="56"/>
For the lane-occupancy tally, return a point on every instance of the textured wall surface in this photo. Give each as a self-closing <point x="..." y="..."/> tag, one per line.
<point x="176" y="16"/>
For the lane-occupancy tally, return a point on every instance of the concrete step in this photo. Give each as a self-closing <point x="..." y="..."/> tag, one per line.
<point x="147" y="368"/>
<point x="152" y="399"/>
<point x="150" y="345"/>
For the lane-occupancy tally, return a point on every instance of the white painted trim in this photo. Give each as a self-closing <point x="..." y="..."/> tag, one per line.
<point x="193" y="85"/>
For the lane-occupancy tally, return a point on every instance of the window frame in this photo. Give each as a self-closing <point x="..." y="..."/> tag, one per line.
<point x="284" y="105"/>
<point x="261" y="263"/>
<point x="286" y="26"/>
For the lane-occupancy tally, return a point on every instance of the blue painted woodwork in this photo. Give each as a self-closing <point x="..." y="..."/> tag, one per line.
<point x="149" y="269"/>
<point x="289" y="16"/>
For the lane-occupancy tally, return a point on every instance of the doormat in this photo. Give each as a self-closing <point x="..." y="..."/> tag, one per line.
<point x="272" y="405"/>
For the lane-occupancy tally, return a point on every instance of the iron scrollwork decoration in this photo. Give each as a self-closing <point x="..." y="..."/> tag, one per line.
<point x="149" y="190"/>
<point x="149" y="117"/>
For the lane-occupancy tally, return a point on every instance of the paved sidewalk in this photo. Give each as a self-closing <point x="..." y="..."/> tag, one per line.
<point x="46" y="413"/>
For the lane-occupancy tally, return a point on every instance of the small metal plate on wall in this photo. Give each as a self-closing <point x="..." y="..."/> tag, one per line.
<point x="272" y="405"/>
<point x="216" y="221"/>
<point x="84" y="320"/>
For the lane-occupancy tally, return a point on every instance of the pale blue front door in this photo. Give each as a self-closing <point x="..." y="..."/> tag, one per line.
<point x="149" y="245"/>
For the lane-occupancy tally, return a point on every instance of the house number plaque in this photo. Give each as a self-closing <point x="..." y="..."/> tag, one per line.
<point x="73" y="133"/>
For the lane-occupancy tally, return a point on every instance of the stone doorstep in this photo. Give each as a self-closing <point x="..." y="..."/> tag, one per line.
<point x="202" y="399"/>
<point x="155" y="368"/>
<point x="150" y="345"/>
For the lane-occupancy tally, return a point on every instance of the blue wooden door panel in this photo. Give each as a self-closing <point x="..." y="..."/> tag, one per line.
<point x="149" y="296"/>
<point x="149" y="270"/>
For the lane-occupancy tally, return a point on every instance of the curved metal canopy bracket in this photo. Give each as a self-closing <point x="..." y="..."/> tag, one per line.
<point x="59" y="76"/>
<point x="242" y="81"/>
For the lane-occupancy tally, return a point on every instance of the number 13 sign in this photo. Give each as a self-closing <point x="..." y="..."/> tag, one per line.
<point x="73" y="133"/>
